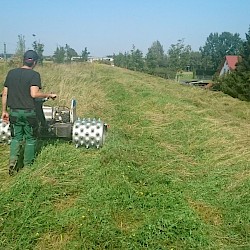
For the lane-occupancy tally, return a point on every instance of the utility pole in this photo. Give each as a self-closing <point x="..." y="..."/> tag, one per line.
<point x="4" y="51"/>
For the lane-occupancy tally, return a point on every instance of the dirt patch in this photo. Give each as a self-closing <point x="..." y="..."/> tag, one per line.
<point x="125" y="221"/>
<point x="238" y="179"/>
<point x="52" y="240"/>
<point x="62" y="204"/>
<point x="206" y="212"/>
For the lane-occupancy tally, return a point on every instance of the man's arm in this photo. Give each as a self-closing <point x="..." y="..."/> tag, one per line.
<point x="5" y="115"/>
<point x="36" y="93"/>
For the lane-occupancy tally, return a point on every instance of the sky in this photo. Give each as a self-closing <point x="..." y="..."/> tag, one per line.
<point x="108" y="27"/>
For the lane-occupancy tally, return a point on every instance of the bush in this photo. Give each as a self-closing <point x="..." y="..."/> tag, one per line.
<point x="237" y="85"/>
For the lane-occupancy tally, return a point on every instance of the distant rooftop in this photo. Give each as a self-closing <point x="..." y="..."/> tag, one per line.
<point x="232" y="61"/>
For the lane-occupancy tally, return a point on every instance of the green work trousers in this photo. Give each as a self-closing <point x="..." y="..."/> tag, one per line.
<point x="24" y="126"/>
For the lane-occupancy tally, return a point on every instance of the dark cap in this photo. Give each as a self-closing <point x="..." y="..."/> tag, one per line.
<point x="30" y="56"/>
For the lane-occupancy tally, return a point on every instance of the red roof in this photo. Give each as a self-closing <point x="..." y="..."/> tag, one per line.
<point x="231" y="61"/>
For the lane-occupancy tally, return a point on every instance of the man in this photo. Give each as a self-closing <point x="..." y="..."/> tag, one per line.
<point x="21" y="87"/>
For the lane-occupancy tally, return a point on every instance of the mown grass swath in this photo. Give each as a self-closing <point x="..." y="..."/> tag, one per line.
<point x="173" y="173"/>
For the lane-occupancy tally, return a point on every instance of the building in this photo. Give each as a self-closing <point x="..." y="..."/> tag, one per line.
<point x="228" y="65"/>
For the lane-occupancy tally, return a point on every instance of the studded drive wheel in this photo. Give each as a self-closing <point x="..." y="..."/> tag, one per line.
<point x="5" y="135"/>
<point x="89" y="133"/>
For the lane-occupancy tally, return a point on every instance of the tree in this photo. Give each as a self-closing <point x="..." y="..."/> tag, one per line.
<point x="244" y="64"/>
<point x="237" y="83"/>
<point x="20" y="50"/>
<point x="155" y="56"/>
<point x="69" y="53"/>
<point x="132" y="60"/>
<point x="119" y="60"/>
<point x="59" y="54"/>
<point x="85" y="55"/>
<point x="217" y="46"/>
<point x="195" y="60"/>
<point x="39" y="48"/>
<point x="179" y="56"/>
<point x="135" y="59"/>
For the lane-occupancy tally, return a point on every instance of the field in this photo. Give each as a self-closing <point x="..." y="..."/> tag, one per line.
<point x="174" y="172"/>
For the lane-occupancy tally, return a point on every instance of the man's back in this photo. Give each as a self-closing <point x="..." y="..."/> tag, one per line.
<point x="18" y="82"/>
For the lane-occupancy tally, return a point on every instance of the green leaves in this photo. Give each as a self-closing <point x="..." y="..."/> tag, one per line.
<point x="237" y="84"/>
<point x="218" y="46"/>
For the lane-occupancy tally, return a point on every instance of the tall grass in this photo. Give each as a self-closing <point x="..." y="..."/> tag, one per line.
<point x="173" y="173"/>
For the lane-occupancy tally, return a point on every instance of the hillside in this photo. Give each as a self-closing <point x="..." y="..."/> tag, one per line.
<point x="173" y="174"/>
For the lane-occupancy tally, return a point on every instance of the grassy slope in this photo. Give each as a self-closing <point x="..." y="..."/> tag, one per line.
<point x="173" y="174"/>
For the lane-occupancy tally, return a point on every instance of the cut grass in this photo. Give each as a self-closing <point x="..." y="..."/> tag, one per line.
<point x="173" y="173"/>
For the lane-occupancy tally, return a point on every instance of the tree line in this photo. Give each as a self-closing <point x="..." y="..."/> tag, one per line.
<point x="178" y="58"/>
<point x="207" y="61"/>
<point x="181" y="57"/>
<point x="62" y="54"/>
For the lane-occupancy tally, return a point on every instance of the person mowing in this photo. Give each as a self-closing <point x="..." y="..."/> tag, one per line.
<point x="21" y="87"/>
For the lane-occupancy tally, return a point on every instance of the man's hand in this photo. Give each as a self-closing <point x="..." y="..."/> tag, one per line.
<point x="52" y="96"/>
<point x="5" y="117"/>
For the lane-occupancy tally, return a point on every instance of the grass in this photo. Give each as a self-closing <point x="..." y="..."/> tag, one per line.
<point x="173" y="173"/>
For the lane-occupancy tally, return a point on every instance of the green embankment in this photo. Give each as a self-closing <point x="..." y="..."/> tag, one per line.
<point x="173" y="174"/>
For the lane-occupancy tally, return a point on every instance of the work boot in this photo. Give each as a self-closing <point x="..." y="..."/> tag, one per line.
<point x="12" y="167"/>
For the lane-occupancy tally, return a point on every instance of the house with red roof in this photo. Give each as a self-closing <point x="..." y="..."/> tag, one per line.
<point x="228" y="65"/>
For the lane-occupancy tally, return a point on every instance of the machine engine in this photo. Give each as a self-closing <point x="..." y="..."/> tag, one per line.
<point x="62" y="122"/>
